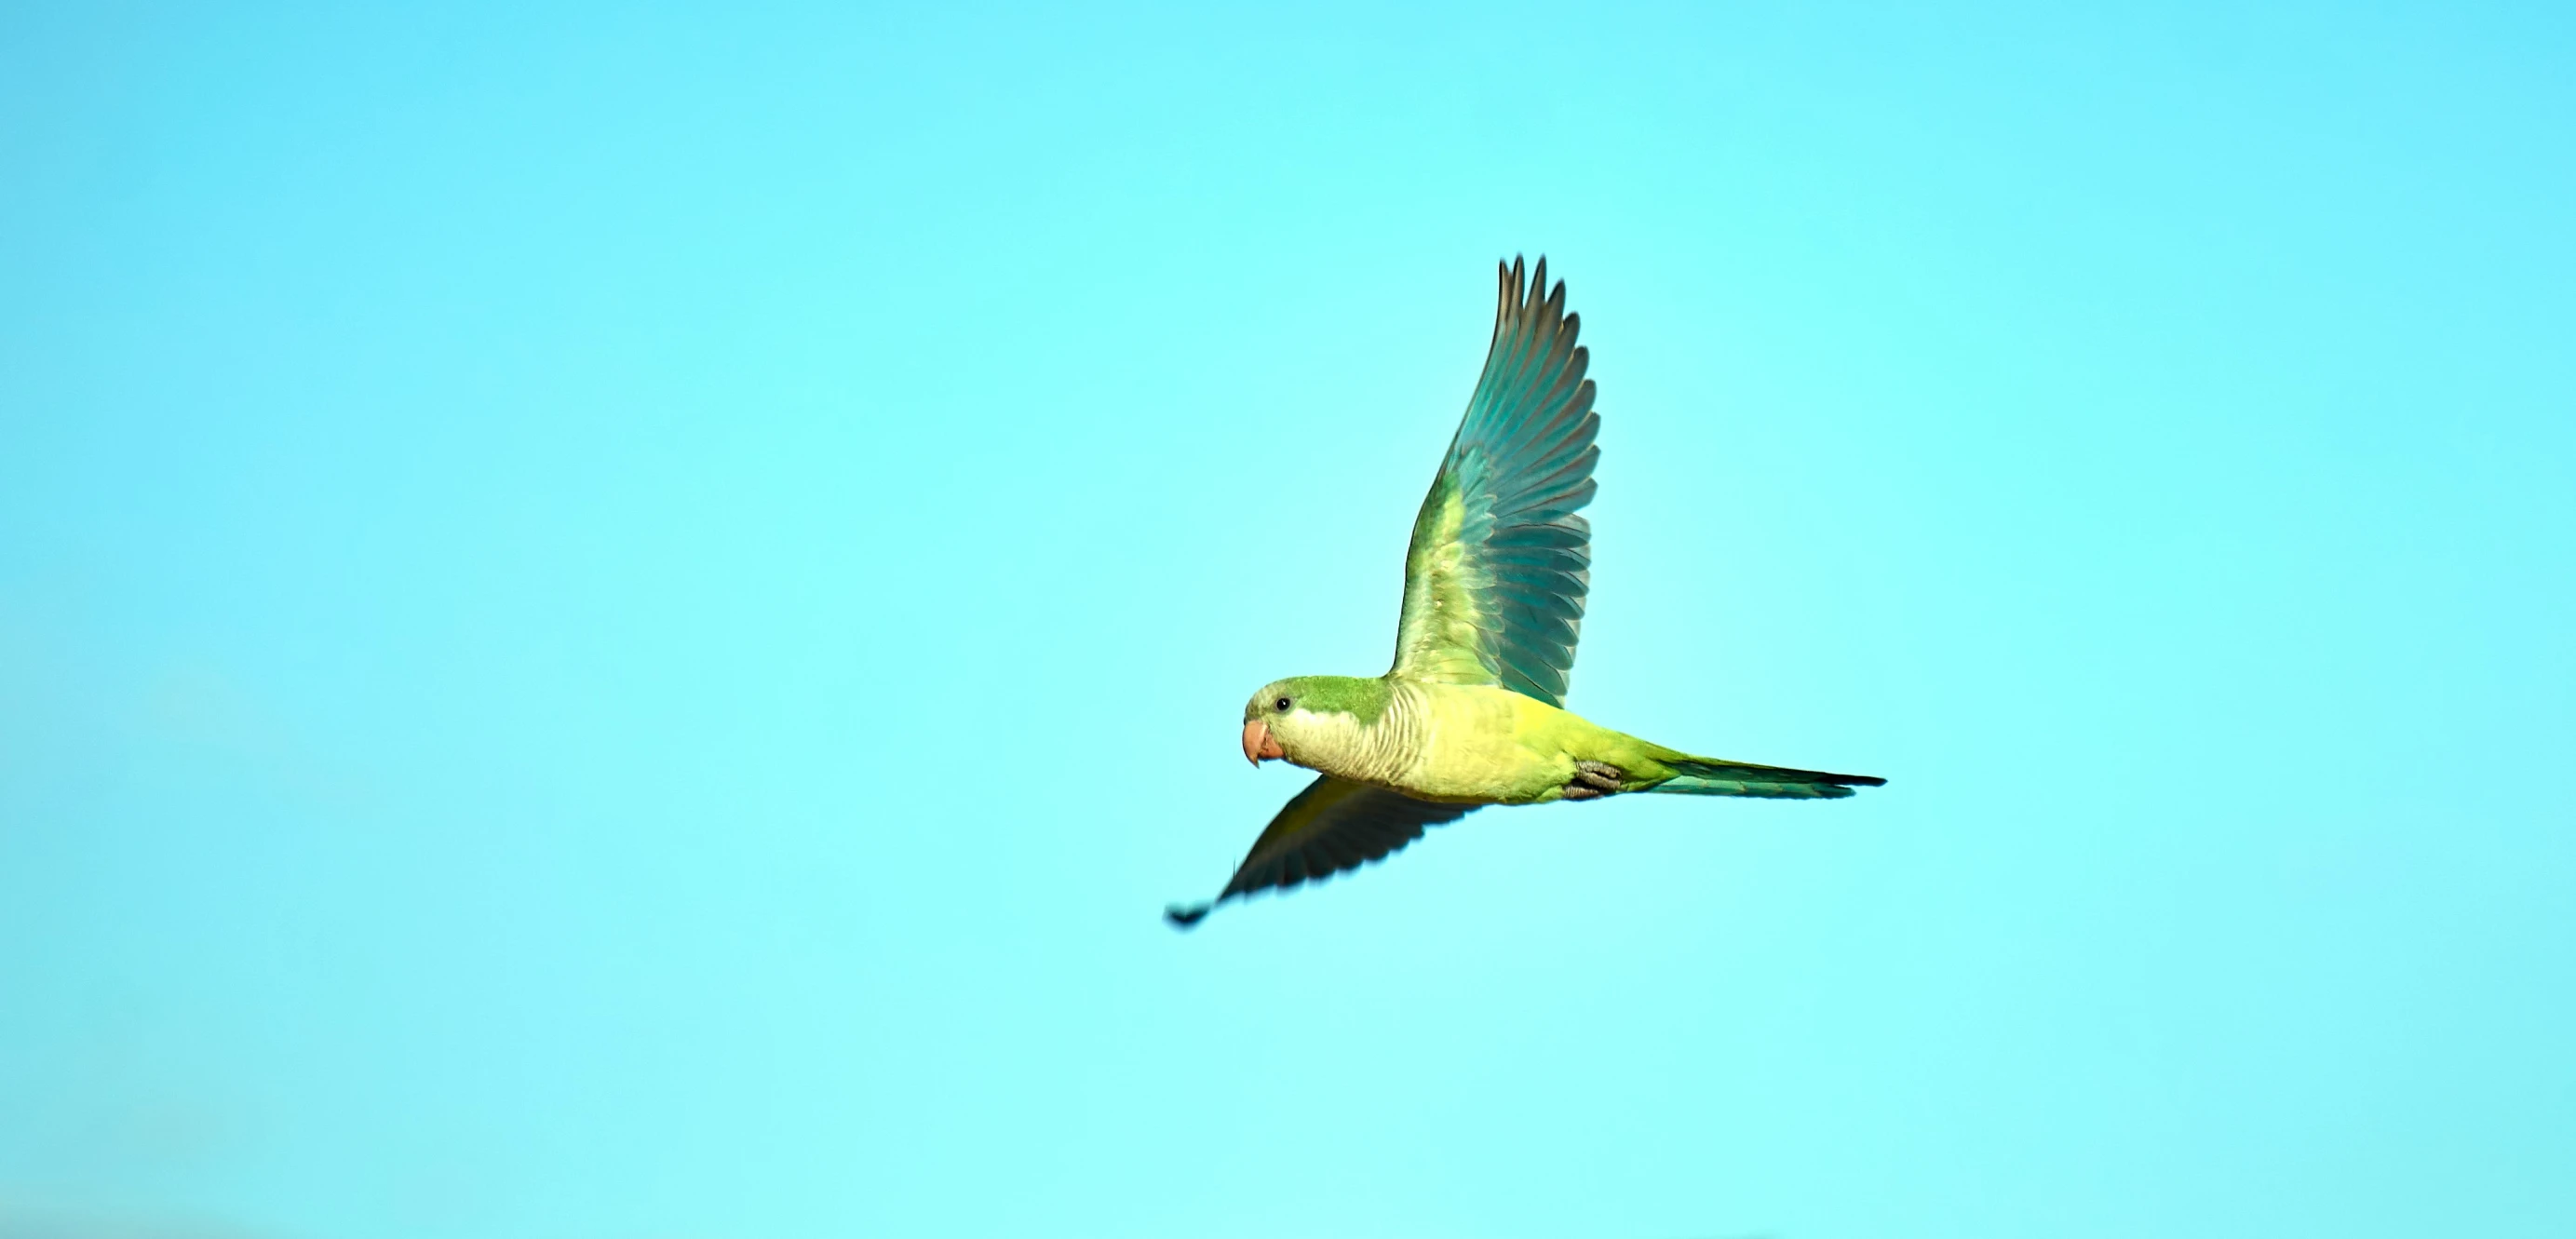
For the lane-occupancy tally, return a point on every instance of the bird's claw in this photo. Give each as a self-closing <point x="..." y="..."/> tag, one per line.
<point x="1593" y="780"/>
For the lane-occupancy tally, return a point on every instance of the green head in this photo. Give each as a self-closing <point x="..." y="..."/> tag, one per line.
<point x="1290" y="716"/>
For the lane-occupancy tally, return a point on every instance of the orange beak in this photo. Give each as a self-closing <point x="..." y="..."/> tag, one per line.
<point x="1258" y="747"/>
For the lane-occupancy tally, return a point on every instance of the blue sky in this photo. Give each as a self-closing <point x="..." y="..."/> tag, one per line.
<point x="618" y="624"/>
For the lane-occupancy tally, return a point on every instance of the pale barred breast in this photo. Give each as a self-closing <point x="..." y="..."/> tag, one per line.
<point x="1342" y="746"/>
<point x="1400" y="735"/>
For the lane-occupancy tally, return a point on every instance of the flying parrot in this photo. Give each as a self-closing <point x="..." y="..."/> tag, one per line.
<point x="1472" y="713"/>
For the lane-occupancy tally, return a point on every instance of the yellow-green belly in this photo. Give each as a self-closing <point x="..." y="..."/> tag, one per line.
<point x="1488" y="745"/>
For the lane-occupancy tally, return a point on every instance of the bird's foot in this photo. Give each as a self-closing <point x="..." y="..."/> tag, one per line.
<point x="1593" y="780"/>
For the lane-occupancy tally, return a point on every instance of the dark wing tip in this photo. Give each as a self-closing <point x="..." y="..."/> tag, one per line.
<point x="1183" y="917"/>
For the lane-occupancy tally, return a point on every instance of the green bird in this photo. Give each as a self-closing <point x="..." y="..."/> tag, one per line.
<point x="1472" y="713"/>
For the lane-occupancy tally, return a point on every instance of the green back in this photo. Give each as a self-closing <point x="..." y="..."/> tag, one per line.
<point x="1495" y="579"/>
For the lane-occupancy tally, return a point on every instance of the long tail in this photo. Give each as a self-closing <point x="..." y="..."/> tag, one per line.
<point x="1703" y="776"/>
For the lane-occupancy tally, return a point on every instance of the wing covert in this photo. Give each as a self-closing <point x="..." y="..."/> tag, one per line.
<point x="1331" y="826"/>
<point x="1495" y="578"/>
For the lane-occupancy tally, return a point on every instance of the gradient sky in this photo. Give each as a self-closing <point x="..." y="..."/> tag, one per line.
<point x="617" y="624"/>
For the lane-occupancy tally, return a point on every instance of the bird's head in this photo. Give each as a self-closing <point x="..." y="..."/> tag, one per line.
<point x="1303" y="718"/>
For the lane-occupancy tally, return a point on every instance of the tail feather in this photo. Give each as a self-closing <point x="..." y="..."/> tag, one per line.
<point x="1700" y="776"/>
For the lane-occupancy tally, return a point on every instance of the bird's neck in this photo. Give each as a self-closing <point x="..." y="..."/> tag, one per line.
<point x="1381" y="752"/>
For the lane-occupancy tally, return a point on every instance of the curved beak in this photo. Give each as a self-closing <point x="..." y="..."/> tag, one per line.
<point x="1258" y="747"/>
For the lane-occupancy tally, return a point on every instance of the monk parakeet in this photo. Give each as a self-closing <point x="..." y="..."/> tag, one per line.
<point x="1472" y="713"/>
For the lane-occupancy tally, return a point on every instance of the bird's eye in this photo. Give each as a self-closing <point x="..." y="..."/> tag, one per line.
<point x="1280" y="704"/>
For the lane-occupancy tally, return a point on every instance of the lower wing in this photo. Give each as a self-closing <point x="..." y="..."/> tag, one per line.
<point x="1331" y="826"/>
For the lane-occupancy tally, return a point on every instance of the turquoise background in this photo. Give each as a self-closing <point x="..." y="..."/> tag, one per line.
<point x="619" y="622"/>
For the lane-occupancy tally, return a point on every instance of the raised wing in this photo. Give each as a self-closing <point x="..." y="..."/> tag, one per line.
<point x="1494" y="582"/>
<point x="1331" y="826"/>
